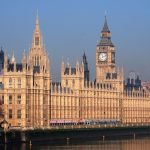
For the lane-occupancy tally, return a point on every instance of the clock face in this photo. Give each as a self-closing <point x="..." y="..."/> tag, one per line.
<point x="102" y="56"/>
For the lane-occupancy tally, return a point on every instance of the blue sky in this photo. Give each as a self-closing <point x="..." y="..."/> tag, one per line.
<point x="70" y="27"/>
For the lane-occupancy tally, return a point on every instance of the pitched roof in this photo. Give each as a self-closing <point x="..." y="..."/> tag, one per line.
<point x="105" y="27"/>
<point x="106" y="41"/>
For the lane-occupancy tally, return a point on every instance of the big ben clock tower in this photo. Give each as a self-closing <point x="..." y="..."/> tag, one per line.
<point x="105" y="56"/>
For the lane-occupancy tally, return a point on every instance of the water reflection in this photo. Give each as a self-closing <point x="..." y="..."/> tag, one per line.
<point x="137" y="144"/>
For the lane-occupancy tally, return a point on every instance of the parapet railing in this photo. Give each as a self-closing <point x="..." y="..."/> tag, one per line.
<point x="59" y="127"/>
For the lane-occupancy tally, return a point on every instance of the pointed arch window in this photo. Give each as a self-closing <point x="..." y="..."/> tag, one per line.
<point x="66" y="82"/>
<point x="19" y="82"/>
<point x="10" y="99"/>
<point x="36" y="40"/>
<point x="35" y="60"/>
<point x="38" y="61"/>
<point x="10" y="113"/>
<point x="73" y="82"/>
<point x="19" y="99"/>
<point x="10" y="82"/>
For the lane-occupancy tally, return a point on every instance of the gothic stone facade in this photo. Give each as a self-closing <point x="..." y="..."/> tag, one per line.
<point x="29" y="98"/>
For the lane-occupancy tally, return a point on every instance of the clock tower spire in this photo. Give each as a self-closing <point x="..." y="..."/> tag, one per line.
<point x="105" y="54"/>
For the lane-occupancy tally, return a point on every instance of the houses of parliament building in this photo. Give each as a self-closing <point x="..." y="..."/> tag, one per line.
<point x="29" y="97"/>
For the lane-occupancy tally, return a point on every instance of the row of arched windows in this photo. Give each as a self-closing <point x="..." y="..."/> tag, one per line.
<point x="36" y="60"/>
<point x="18" y="82"/>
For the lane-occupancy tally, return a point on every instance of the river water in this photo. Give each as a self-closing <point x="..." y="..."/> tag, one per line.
<point x="130" y="144"/>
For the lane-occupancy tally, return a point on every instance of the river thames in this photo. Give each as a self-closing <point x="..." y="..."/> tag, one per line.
<point x="130" y="144"/>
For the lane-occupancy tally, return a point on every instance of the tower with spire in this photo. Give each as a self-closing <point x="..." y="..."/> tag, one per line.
<point x="39" y="79"/>
<point x="105" y="54"/>
<point x="38" y="57"/>
<point x="106" y="70"/>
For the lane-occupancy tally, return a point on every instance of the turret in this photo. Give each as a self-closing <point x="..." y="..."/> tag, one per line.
<point x="13" y="62"/>
<point x="13" y="59"/>
<point x="6" y="60"/>
<point x="1" y="59"/>
<point x="24" y="60"/>
<point x="62" y="67"/>
<point x="86" y="69"/>
<point x="77" y="65"/>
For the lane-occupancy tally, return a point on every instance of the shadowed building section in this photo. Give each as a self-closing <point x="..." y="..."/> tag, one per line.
<point x="86" y="69"/>
<point x="1" y="59"/>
